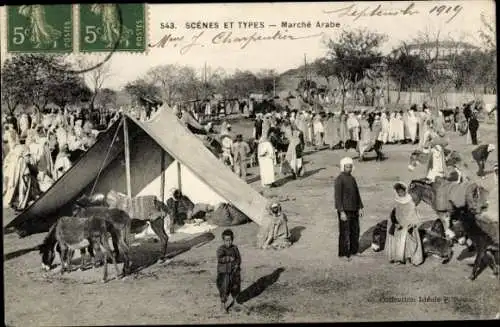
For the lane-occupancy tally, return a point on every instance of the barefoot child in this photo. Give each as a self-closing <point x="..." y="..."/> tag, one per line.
<point x="228" y="270"/>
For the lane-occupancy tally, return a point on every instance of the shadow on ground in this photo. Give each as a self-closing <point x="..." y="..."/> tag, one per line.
<point x="148" y="253"/>
<point x="365" y="240"/>
<point x="18" y="253"/>
<point x="370" y="158"/>
<point x="259" y="286"/>
<point x="287" y="179"/>
<point x="253" y="179"/>
<point x="296" y="233"/>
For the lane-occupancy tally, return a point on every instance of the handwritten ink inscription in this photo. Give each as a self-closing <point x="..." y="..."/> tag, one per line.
<point x="446" y="11"/>
<point x="357" y="11"/>
<point x="186" y="44"/>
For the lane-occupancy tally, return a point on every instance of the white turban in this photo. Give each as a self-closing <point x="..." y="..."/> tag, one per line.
<point x="346" y="161"/>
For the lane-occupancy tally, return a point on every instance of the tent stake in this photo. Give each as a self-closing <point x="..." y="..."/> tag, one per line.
<point x="127" y="156"/>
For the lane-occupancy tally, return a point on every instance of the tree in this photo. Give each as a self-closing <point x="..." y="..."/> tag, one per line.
<point x="12" y="85"/>
<point x="164" y="77"/>
<point x="406" y="69"/>
<point x="352" y="55"/>
<point x="37" y="80"/>
<point x="187" y="85"/>
<point x="267" y="80"/>
<point x="95" y="77"/>
<point x="141" y="88"/>
<point x="488" y="34"/>
<point x="214" y="81"/>
<point x="324" y="67"/>
<point x="240" y="84"/>
<point x="106" y="98"/>
<point x="67" y="88"/>
<point x="488" y="37"/>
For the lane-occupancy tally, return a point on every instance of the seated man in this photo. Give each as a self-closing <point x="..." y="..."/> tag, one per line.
<point x="276" y="234"/>
<point x="180" y="207"/>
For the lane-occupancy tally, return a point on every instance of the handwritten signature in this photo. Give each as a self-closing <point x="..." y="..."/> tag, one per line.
<point x="226" y="37"/>
<point x="356" y="12"/>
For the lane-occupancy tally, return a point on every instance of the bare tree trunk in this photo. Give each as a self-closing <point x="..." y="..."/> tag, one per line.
<point x="92" y="100"/>
<point x="399" y="89"/>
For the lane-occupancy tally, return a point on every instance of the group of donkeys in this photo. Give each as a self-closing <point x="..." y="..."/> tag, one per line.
<point x="93" y="221"/>
<point x="458" y="207"/>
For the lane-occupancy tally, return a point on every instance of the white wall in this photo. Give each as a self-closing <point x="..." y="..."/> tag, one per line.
<point x="452" y="99"/>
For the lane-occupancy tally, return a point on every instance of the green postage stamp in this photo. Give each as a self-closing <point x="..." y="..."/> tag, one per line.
<point x="112" y="27"/>
<point x="40" y="28"/>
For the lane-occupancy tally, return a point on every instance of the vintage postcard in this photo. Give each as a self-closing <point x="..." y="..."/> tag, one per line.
<point x="249" y="162"/>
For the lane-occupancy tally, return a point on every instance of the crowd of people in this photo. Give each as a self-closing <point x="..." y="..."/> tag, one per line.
<point x="38" y="148"/>
<point x="281" y="136"/>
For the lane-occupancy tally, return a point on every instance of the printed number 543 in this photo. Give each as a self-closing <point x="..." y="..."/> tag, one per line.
<point x="19" y="36"/>
<point x="91" y="33"/>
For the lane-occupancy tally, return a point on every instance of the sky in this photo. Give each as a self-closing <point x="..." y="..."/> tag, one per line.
<point x="284" y="54"/>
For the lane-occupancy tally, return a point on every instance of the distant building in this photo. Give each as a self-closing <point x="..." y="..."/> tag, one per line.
<point x="441" y="49"/>
<point x="439" y="53"/>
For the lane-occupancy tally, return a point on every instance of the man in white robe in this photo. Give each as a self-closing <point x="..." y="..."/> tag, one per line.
<point x="412" y="125"/>
<point x="18" y="187"/>
<point x="62" y="164"/>
<point x="11" y="173"/>
<point x="227" y="147"/>
<point x="393" y="128"/>
<point x="384" y="135"/>
<point x="353" y="126"/>
<point x="319" y="130"/>
<point x="24" y="125"/>
<point x="425" y="117"/>
<point x="400" y="128"/>
<point x="266" y="157"/>
<point x="436" y="166"/>
<point x="74" y="142"/>
<point x="62" y="136"/>
<point x="78" y="128"/>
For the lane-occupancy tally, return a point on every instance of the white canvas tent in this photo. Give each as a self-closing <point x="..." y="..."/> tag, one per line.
<point x="163" y="154"/>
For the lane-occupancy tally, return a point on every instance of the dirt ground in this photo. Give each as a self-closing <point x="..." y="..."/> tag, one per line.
<point x="304" y="283"/>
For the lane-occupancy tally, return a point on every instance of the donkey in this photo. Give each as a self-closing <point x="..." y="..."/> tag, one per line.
<point x="444" y="197"/>
<point x="72" y="233"/>
<point x="465" y="224"/>
<point x="128" y="226"/>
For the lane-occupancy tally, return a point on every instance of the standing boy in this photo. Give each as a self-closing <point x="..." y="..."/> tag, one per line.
<point x="228" y="270"/>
